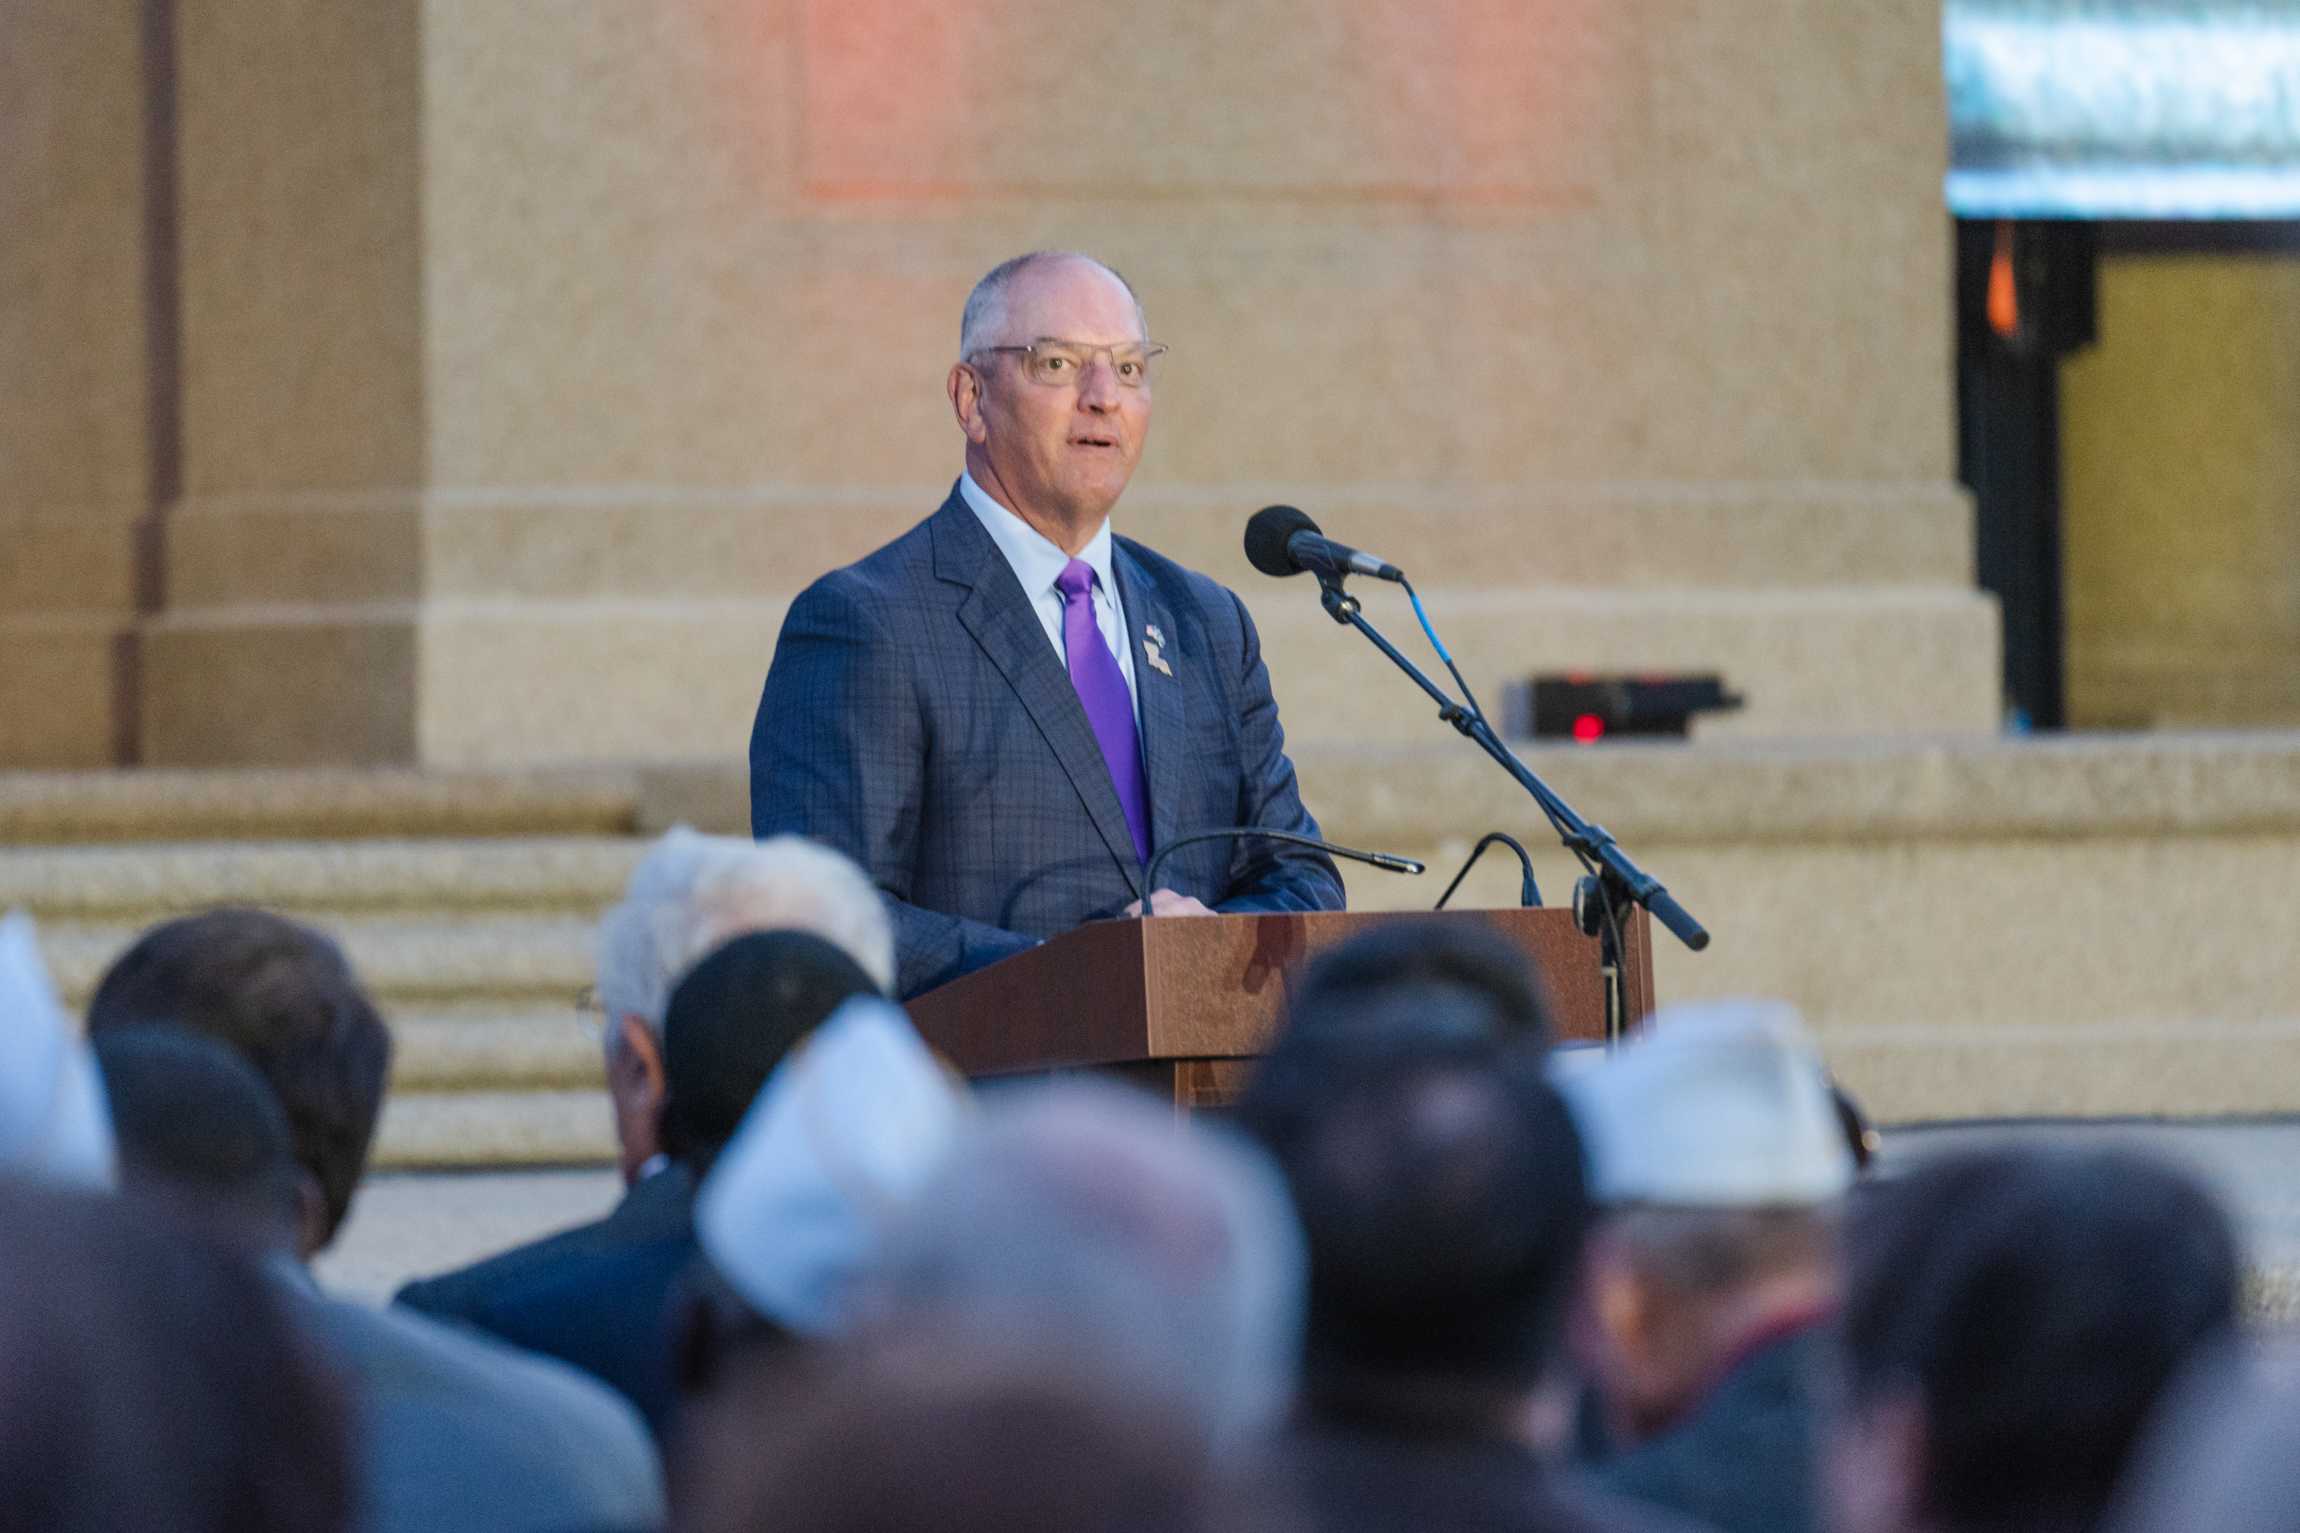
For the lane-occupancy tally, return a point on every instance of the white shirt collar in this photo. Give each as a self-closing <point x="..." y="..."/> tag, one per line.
<point x="1035" y="558"/>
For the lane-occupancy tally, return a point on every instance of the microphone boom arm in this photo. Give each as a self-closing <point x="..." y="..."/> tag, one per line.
<point x="1593" y="844"/>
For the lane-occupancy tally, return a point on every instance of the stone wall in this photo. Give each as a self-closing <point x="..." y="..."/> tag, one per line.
<point x="529" y="369"/>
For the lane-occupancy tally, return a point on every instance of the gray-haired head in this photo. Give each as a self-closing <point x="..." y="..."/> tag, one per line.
<point x="1085" y="1216"/>
<point x="691" y="892"/>
<point x="984" y="321"/>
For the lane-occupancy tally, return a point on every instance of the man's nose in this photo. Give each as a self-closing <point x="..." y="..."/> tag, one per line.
<point x="1099" y="390"/>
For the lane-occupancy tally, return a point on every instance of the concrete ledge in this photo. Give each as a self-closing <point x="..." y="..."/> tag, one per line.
<point x="2168" y="1068"/>
<point x="52" y="808"/>
<point x="1959" y="788"/>
<point x="320" y="879"/>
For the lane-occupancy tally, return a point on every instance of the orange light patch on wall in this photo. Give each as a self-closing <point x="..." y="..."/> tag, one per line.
<point x="2004" y="290"/>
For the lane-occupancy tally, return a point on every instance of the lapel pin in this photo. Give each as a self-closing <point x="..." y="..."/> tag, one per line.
<point x="1157" y="660"/>
<point x="1150" y="632"/>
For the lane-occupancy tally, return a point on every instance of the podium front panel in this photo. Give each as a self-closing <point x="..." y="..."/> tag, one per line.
<point x="1176" y="989"/>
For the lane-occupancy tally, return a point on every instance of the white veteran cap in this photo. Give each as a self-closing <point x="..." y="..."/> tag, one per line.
<point x="53" y="1121"/>
<point x="839" y="1139"/>
<point x="1718" y="1105"/>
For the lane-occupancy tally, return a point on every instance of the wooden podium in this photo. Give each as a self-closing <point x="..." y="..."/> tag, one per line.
<point x="1183" y="1004"/>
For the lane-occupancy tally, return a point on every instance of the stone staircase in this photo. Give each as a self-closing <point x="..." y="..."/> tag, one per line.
<point x="1977" y="928"/>
<point x="465" y="901"/>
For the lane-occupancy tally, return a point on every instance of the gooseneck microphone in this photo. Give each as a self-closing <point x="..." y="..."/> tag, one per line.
<point x="1281" y="540"/>
<point x="1383" y="860"/>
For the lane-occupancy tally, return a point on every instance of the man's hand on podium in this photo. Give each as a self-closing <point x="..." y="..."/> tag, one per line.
<point x="1165" y="902"/>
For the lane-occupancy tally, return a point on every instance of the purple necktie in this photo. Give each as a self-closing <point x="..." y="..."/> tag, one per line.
<point x="1109" y="706"/>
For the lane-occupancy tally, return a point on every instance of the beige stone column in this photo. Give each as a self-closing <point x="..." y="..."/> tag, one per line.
<point x="294" y="578"/>
<point x="536" y="356"/>
<point x="75" y="385"/>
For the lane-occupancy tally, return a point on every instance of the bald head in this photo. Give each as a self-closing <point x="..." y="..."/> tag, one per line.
<point x="988" y="306"/>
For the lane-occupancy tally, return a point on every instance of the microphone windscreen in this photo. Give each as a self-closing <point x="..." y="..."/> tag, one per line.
<point x="1267" y="532"/>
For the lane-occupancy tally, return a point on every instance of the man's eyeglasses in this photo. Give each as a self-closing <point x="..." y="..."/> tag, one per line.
<point x="591" y="1013"/>
<point x="1062" y="362"/>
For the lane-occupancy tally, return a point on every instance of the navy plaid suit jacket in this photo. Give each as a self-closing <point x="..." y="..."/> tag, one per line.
<point x="916" y="719"/>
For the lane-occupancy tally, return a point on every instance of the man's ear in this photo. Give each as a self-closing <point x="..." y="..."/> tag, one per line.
<point x="966" y="402"/>
<point x="312" y="1231"/>
<point x="1613" y="1295"/>
<point x="636" y="1062"/>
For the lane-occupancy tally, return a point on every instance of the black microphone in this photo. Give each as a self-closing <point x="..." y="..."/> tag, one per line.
<point x="1281" y="540"/>
<point x="1383" y="860"/>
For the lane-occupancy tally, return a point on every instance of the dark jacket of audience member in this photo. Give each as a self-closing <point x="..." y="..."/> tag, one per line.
<point x="600" y="1296"/>
<point x="1743" y="1459"/>
<point x="150" y="1377"/>
<point x="1439" y="1182"/>
<point x="2011" y="1318"/>
<point x="452" y="1430"/>
<point x="2219" y="1453"/>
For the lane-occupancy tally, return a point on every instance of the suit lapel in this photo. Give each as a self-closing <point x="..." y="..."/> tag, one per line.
<point x="1160" y="692"/>
<point x="999" y="616"/>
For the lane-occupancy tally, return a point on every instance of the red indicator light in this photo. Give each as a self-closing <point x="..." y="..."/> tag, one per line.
<point x="1588" y="728"/>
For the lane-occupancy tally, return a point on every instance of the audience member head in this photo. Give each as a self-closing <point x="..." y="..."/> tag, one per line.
<point x="934" y="1433"/>
<point x="1404" y="990"/>
<point x="2219" y="1451"/>
<point x="835" y="1146"/>
<point x="732" y="1020"/>
<point x="687" y="896"/>
<point x="1088" y="1216"/>
<point x="2011" y="1317"/>
<point x="1719" y="1162"/>
<point x="198" y="1127"/>
<point x="152" y="1378"/>
<point x="1443" y="1199"/>
<point x="52" y="1120"/>
<point x="283" y="996"/>
<point x="1421" y="978"/>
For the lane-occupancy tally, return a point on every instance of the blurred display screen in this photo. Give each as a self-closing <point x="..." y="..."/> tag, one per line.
<point x="2143" y="109"/>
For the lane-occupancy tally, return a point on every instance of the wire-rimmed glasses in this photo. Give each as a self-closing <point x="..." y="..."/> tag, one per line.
<point x="1055" y="362"/>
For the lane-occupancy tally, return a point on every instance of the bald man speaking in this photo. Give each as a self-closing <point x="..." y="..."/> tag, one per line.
<point x="1006" y="711"/>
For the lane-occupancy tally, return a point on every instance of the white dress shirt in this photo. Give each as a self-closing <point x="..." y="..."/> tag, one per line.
<point x="1037" y="562"/>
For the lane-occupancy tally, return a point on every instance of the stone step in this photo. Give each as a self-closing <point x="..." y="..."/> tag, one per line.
<point x="524" y="963"/>
<point x="51" y="808"/>
<point x="494" y="1128"/>
<point x="539" y="1050"/>
<point x="325" y="880"/>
